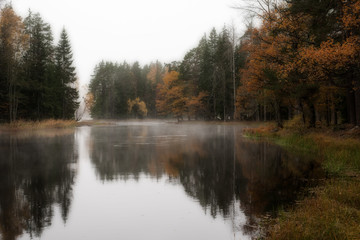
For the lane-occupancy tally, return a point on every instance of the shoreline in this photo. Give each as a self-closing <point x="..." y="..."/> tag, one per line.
<point x="51" y="124"/>
<point x="332" y="210"/>
<point x="59" y="123"/>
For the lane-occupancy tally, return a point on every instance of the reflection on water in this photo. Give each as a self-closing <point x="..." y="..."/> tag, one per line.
<point x="35" y="173"/>
<point x="129" y="179"/>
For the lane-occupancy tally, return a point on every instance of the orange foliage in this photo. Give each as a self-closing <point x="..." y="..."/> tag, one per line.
<point x="170" y="96"/>
<point x="195" y="105"/>
<point x="285" y="64"/>
<point x="351" y="14"/>
<point x="321" y="63"/>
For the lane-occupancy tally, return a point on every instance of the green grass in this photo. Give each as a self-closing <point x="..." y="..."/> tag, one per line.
<point x="332" y="214"/>
<point x="333" y="211"/>
<point x="338" y="156"/>
<point x="298" y="143"/>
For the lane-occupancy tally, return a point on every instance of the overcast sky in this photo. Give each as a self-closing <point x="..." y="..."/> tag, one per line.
<point x="131" y="30"/>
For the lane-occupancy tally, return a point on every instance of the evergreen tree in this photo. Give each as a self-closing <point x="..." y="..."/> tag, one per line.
<point x="66" y="80"/>
<point x="39" y="66"/>
<point x="224" y="74"/>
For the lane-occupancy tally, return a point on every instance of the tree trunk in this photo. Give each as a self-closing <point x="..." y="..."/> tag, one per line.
<point x="312" y="115"/>
<point x="289" y="112"/>
<point x="278" y="114"/>
<point x="301" y="106"/>
<point x="350" y="106"/>
<point x="357" y="103"/>
<point x="264" y="112"/>
<point x="328" y="112"/>
<point x="317" y="116"/>
<point x="258" y="113"/>
<point x="333" y="112"/>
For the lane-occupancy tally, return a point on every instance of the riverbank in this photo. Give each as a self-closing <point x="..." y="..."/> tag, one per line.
<point x="332" y="211"/>
<point x="44" y="124"/>
<point x="50" y="124"/>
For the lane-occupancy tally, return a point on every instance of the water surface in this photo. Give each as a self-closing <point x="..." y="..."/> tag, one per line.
<point x="143" y="180"/>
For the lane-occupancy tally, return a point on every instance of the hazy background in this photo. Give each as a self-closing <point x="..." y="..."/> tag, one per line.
<point x="131" y="30"/>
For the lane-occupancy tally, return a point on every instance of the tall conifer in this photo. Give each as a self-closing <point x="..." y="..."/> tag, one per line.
<point x="66" y="77"/>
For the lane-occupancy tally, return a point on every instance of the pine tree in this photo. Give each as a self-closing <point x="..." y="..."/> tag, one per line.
<point x="66" y="77"/>
<point x="39" y="62"/>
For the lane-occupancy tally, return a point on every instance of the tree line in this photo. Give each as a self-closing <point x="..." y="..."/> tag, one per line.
<point x="114" y="88"/>
<point x="302" y="61"/>
<point x="37" y="77"/>
<point x="201" y="86"/>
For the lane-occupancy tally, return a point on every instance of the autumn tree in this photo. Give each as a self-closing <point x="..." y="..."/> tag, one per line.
<point x="196" y="105"/>
<point x="13" y="44"/>
<point x="333" y="60"/>
<point x="153" y="78"/>
<point x="137" y="108"/>
<point x="170" y="96"/>
<point x="301" y="66"/>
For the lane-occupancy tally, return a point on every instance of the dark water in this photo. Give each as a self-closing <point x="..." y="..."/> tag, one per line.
<point x="147" y="180"/>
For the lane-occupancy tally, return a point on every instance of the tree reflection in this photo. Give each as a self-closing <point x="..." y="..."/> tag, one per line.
<point x="215" y="165"/>
<point x="35" y="174"/>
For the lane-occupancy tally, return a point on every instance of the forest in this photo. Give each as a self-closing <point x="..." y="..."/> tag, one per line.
<point x="301" y="61"/>
<point x="201" y="86"/>
<point x="37" y="77"/>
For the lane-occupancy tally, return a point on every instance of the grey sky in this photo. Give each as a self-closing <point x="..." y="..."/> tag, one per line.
<point x="131" y="30"/>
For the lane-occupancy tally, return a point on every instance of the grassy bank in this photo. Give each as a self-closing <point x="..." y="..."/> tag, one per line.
<point x="52" y="123"/>
<point x="333" y="211"/>
<point x="44" y="124"/>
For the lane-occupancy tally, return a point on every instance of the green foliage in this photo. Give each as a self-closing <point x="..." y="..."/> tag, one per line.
<point x="66" y="78"/>
<point x="112" y="85"/>
<point x="208" y="69"/>
<point x="42" y="81"/>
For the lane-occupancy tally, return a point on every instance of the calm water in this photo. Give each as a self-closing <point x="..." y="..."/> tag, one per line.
<point x="147" y="180"/>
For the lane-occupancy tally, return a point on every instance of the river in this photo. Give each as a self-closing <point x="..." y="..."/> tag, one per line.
<point x="144" y="180"/>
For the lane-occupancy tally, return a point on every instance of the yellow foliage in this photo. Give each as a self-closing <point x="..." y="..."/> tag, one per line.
<point x="12" y="33"/>
<point x="89" y="100"/>
<point x="137" y="107"/>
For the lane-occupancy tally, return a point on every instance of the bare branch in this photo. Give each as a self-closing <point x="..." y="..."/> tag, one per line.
<point x="258" y="8"/>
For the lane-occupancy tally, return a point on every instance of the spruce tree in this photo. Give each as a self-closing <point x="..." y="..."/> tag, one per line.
<point x="39" y="62"/>
<point x="66" y="77"/>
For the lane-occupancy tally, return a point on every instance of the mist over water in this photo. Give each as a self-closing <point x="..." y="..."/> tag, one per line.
<point x="143" y="180"/>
